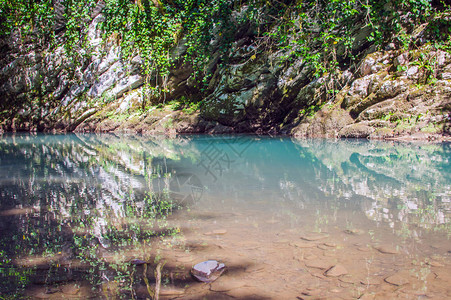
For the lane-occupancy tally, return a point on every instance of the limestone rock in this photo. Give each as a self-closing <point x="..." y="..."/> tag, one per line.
<point x="401" y="60"/>
<point x="208" y="271"/>
<point x="391" y="88"/>
<point x="356" y="131"/>
<point x="366" y="66"/>
<point x="357" y="92"/>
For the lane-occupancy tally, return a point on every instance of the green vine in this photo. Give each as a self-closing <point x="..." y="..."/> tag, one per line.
<point x="325" y="34"/>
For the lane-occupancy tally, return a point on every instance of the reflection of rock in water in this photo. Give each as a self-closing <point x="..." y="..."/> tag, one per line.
<point x="395" y="182"/>
<point x="109" y="189"/>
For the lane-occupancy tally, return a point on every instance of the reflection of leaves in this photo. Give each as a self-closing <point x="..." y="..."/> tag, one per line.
<point x="396" y="177"/>
<point x="95" y="202"/>
<point x="380" y="178"/>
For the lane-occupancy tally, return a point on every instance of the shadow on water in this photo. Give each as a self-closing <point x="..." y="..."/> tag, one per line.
<point x="76" y="210"/>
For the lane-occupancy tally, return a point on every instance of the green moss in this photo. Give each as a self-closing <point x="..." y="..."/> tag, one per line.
<point x="430" y="128"/>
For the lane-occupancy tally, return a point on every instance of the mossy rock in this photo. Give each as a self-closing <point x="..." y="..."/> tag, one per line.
<point x="382" y="133"/>
<point x="356" y="131"/>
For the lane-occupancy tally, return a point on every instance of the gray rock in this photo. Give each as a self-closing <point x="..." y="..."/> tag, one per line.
<point x="126" y="84"/>
<point x="390" y="46"/>
<point x="446" y="76"/>
<point x="367" y="64"/>
<point x="357" y="91"/>
<point x="401" y="60"/>
<point x="391" y="88"/>
<point x="107" y="80"/>
<point x="442" y="58"/>
<point x="208" y="271"/>
<point x="356" y="131"/>
<point x="108" y="60"/>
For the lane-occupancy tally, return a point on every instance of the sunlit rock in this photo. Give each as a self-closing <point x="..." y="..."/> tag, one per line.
<point x="208" y="271"/>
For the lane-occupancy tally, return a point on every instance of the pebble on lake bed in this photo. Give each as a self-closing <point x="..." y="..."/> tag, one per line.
<point x="137" y="262"/>
<point x="434" y="263"/>
<point x="301" y="244"/>
<point x="314" y="236"/>
<point x="216" y="232"/>
<point x="397" y="279"/>
<point x="337" y="270"/>
<point x="208" y="271"/>
<point x="318" y="264"/>
<point x="354" y="231"/>
<point x="387" y="249"/>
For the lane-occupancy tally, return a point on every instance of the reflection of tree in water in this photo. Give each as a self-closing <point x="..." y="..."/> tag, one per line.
<point x="86" y="199"/>
<point x="407" y="183"/>
<point x="78" y="206"/>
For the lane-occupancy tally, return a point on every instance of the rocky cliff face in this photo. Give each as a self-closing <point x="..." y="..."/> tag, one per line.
<point x="385" y="94"/>
<point x="391" y="95"/>
<point x="45" y="89"/>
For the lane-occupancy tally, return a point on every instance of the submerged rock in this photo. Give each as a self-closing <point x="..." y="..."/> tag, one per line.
<point x="397" y="279"/>
<point x="337" y="270"/>
<point x="314" y="236"/>
<point x="387" y="249"/>
<point x="303" y="244"/>
<point x="137" y="262"/>
<point x="434" y="263"/>
<point x="216" y="232"/>
<point x="354" y="231"/>
<point x="208" y="271"/>
<point x="318" y="264"/>
<point x="171" y="291"/>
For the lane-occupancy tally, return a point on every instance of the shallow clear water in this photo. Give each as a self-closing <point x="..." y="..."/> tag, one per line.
<point x="290" y="219"/>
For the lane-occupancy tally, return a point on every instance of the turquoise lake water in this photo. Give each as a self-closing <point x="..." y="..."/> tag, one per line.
<point x="76" y="209"/>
